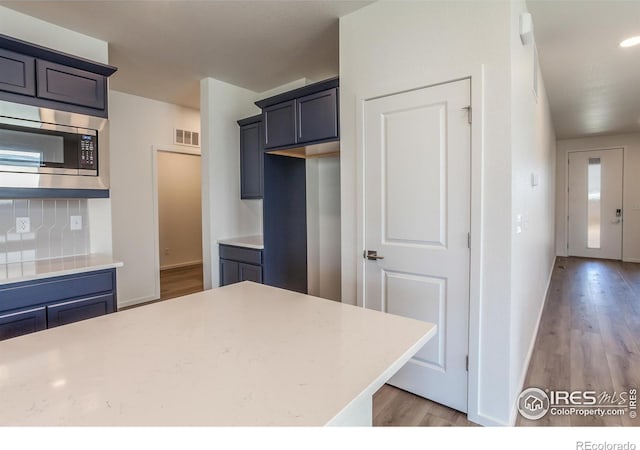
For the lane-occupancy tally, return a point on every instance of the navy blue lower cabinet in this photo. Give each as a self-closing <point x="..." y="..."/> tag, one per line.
<point x="228" y="272"/>
<point x="81" y="309"/>
<point x="30" y="306"/>
<point x="240" y="264"/>
<point x="25" y="321"/>
<point x="249" y="272"/>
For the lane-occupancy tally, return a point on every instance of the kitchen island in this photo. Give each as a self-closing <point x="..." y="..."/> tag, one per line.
<point x="246" y="354"/>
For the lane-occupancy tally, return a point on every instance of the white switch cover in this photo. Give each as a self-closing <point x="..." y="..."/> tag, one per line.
<point x="535" y="179"/>
<point x="75" y="223"/>
<point x="518" y="223"/>
<point x="23" y="225"/>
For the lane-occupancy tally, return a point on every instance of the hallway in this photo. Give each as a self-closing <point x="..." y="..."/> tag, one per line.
<point x="589" y="339"/>
<point x="589" y="335"/>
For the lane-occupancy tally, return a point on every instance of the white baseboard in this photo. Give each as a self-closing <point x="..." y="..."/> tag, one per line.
<point x="136" y="301"/>
<point x="488" y="421"/>
<point x="514" y="411"/>
<point x="182" y="264"/>
<point x="631" y="260"/>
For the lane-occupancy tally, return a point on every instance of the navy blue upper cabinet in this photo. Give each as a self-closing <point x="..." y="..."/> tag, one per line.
<point x="251" y="158"/>
<point x="280" y="124"/>
<point x="303" y="116"/>
<point x="68" y="85"/>
<point x="17" y="73"/>
<point x="318" y="116"/>
<point x="39" y="76"/>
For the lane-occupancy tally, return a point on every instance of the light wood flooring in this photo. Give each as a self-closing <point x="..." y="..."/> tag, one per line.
<point x="589" y="335"/>
<point x="180" y="281"/>
<point x="589" y="338"/>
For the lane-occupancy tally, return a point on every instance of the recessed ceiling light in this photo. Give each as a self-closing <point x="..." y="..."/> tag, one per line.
<point x="630" y="42"/>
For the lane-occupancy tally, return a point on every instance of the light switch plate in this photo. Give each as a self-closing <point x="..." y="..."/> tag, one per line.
<point x="23" y="225"/>
<point x="75" y="223"/>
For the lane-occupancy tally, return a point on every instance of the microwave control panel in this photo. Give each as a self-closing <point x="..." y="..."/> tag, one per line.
<point x="88" y="152"/>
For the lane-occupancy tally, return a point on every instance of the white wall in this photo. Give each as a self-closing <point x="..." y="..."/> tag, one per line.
<point x="389" y="47"/>
<point x="630" y="190"/>
<point x="224" y="213"/>
<point x="136" y="125"/>
<point x="179" y="209"/>
<point x="323" y="227"/>
<point x="533" y="249"/>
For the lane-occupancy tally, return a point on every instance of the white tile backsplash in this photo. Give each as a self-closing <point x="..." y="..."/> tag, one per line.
<point x="50" y="235"/>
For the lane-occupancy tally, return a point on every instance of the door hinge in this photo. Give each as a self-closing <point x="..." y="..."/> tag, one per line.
<point x="469" y="240"/>
<point x="466" y="363"/>
<point x="469" y="114"/>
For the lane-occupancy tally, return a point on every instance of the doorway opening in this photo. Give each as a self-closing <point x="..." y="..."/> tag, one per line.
<point x="179" y="223"/>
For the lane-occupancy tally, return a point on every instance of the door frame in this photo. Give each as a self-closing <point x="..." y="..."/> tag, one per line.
<point x="565" y="248"/>
<point x="477" y="81"/>
<point x="154" y="190"/>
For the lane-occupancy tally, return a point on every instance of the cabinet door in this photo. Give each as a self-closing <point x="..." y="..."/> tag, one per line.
<point x="76" y="310"/>
<point x="249" y="272"/>
<point x="251" y="161"/>
<point x="26" y="321"/>
<point x="280" y="124"/>
<point x="228" y="272"/>
<point x="69" y="85"/>
<point x="318" y="116"/>
<point x="17" y="73"/>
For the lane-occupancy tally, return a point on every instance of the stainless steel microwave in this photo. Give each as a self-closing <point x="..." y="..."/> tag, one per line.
<point x="47" y="148"/>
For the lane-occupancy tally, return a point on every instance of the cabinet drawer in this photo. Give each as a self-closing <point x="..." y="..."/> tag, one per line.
<point x="25" y="321"/>
<point x="69" y="85"/>
<point x="241" y="254"/>
<point x="81" y="309"/>
<point x="22" y="295"/>
<point x="17" y="73"/>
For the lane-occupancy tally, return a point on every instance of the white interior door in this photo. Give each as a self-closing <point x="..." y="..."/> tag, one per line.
<point x="595" y="204"/>
<point x="417" y="217"/>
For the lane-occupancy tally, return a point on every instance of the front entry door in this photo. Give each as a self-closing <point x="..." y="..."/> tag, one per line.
<point x="595" y="204"/>
<point x="417" y="217"/>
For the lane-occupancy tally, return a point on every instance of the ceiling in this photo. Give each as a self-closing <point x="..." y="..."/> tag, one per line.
<point x="163" y="48"/>
<point x="593" y="85"/>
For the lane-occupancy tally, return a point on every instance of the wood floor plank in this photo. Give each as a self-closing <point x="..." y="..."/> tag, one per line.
<point x="589" y="372"/>
<point x="408" y="410"/>
<point x="181" y="281"/>
<point x="625" y="372"/>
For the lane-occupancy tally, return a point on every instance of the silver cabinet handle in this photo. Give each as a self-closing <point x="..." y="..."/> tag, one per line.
<point x="372" y="255"/>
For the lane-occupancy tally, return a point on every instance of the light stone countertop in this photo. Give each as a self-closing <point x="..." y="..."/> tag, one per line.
<point x="244" y="241"/>
<point x="55" y="267"/>
<point x="245" y="354"/>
